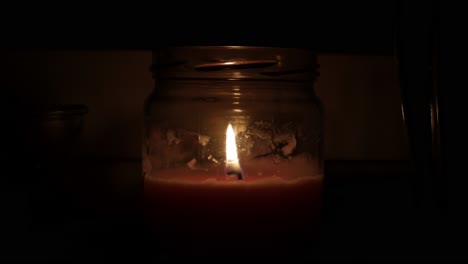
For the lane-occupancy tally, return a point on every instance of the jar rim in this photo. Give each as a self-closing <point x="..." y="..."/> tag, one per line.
<point x="58" y="111"/>
<point x="220" y="47"/>
<point x="234" y="63"/>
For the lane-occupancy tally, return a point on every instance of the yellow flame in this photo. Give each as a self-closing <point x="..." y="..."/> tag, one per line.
<point x="231" y="147"/>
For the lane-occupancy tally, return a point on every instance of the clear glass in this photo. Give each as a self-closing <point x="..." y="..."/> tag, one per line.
<point x="196" y="197"/>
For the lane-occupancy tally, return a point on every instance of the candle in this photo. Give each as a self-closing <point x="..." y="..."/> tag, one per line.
<point x="255" y="208"/>
<point x="233" y="151"/>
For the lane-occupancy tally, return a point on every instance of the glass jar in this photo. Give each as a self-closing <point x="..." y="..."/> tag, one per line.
<point x="233" y="151"/>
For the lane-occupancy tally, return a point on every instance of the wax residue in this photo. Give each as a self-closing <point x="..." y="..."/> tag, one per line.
<point x="214" y="181"/>
<point x="261" y="172"/>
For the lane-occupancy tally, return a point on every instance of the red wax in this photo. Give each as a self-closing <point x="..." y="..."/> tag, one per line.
<point x="197" y="213"/>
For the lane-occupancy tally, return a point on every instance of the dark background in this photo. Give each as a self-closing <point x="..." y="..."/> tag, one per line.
<point x="391" y="204"/>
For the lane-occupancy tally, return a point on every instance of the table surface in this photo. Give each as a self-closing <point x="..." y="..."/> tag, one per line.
<point x="94" y="210"/>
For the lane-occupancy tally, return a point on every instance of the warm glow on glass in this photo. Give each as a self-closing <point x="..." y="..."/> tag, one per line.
<point x="231" y="147"/>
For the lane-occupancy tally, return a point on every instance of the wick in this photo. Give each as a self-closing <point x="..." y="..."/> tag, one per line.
<point x="238" y="174"/>
<point x="234" y="171"/>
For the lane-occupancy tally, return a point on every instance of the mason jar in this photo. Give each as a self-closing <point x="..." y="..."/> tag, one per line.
<point x="233" y="151"/>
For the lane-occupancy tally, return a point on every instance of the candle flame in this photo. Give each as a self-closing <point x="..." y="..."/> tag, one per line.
<point x="231" y="147"/>
<point x="232" y="161"/>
